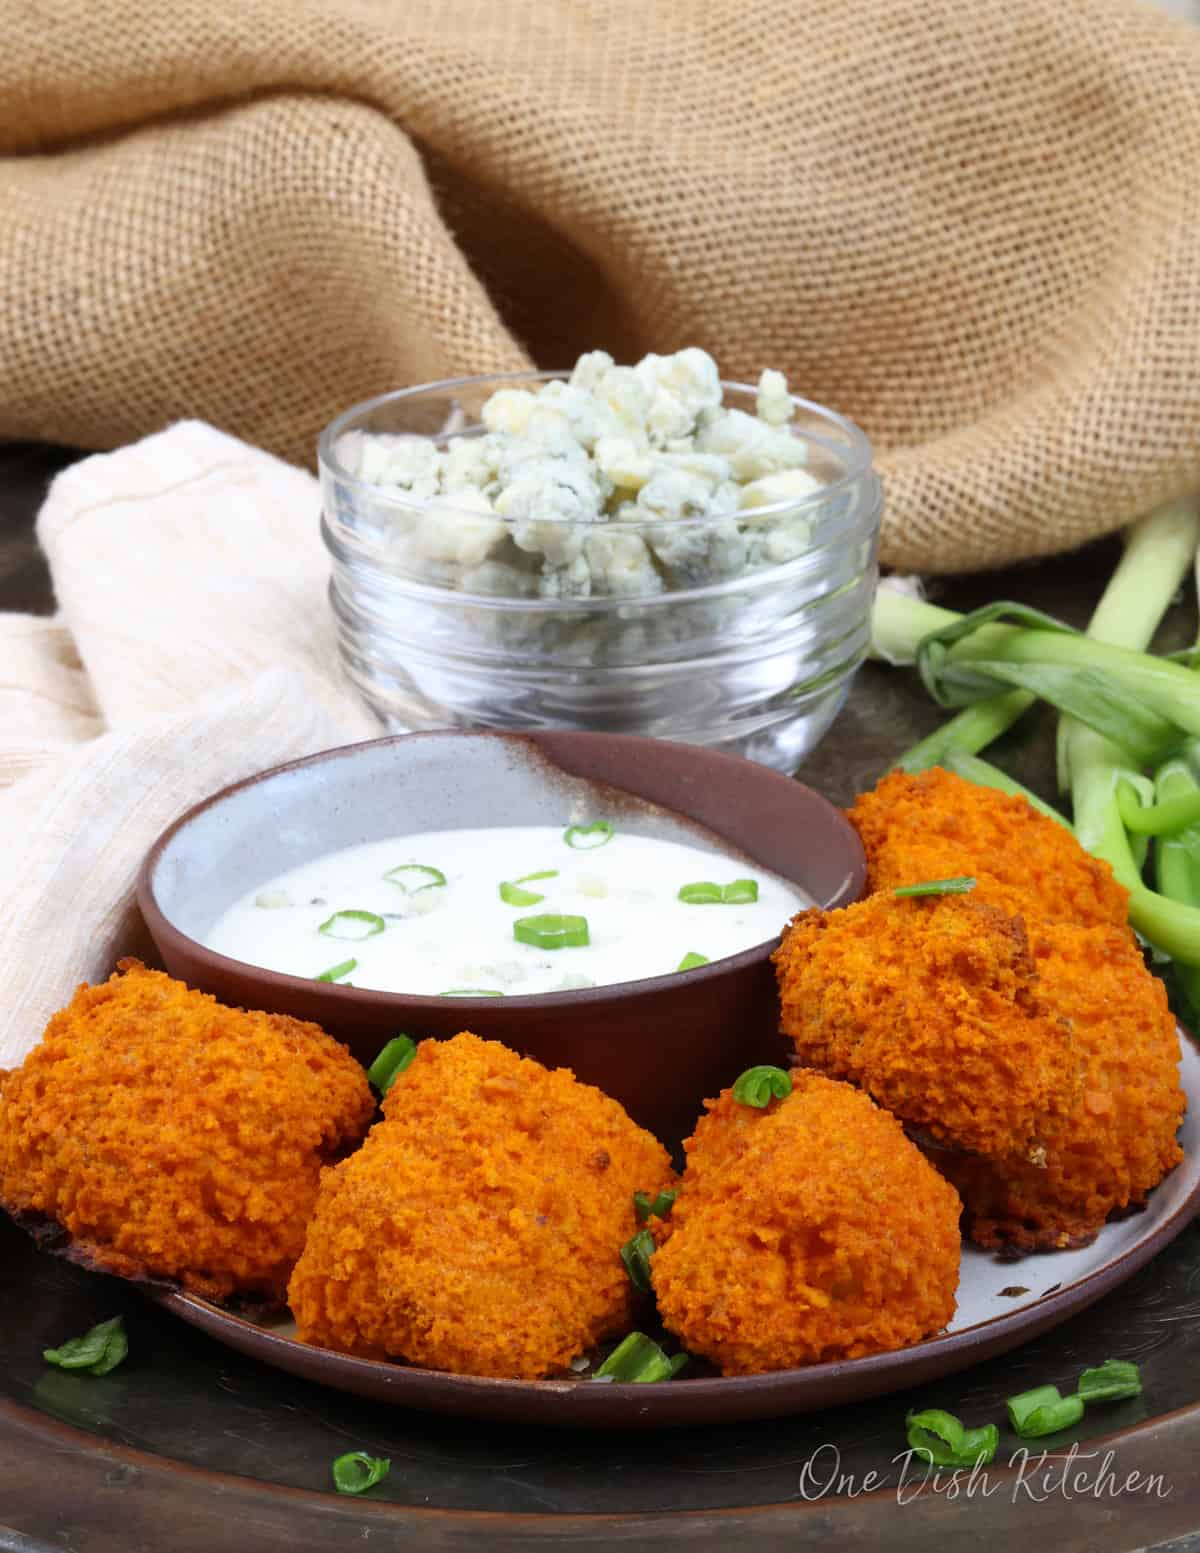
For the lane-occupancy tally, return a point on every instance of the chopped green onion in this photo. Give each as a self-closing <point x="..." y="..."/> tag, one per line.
<point x="336" y="972"/>
<point x="355" y="1472"/>
<point x="551" y="931"/>
<point x="1042" y="1411"/>
<point x="354" y="925"/>
<point x="1112" y="1381"/>
<point x="959" y="886"/>
<point x="412" y="878"/>
<point x="759" y="1086"/>
<point x="391" y="1062"/>
<point x="512" y="894"/>
<point x="586" y="838"/>
<point x="471" y="992"/>
<point x="691" y="960"/>
<point x="99" y="1350"/>
<point x="705" y="893"/>
<point x="636" y="1254"/>
<point x="942" y="1440"/>
<point x="658" y="1207"/>
<point x="638" y="1359"/>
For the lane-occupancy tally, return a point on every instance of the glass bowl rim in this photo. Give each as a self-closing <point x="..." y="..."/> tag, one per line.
<point x="858" y="453"/>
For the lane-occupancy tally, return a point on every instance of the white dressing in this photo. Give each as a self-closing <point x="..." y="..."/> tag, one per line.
<point x="459" y="936"/>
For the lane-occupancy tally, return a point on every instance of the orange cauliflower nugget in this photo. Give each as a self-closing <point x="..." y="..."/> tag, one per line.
<point x="936" y="825"/>
<point x="809" y="1231"/>
<point x="479" y="1228"/>
<point x="932" y="1006"/>
<point x="173" y="1138"/>
<point x="1119" y="1140"/>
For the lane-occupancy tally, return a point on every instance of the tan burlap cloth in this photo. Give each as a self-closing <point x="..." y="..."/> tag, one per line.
<point x="972" y="225"/>
<point x="975" y="227"/>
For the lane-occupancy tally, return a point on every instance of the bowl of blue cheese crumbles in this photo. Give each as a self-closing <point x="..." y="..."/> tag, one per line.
<point x="644" y="549"/>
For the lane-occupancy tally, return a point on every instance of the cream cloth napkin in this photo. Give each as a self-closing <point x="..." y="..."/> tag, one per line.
<point x="193" y="646"/>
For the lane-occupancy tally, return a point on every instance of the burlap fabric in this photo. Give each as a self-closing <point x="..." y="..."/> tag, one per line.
<point x="975" y="228"/>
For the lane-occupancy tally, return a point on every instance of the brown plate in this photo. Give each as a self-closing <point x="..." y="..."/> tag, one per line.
<point x="989" y="1321"/>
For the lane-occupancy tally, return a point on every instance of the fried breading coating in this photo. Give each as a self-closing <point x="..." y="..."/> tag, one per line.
<point x="808" y="1231"/>
<point x="935" y="825"/>
<point x="173" y="1138"/>
<point x="932" y="1006"/>
<point x="479" y="1228"/>
<point x="1119" y="1140"/>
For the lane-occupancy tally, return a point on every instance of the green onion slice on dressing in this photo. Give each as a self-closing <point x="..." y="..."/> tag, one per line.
<point x="759" y="1086"/>
<point x="391" y="1062"/>
<point x="636" y="1254"/>
<point x="355" y="1472"/>
<point x="412" y="878"/>
<point x="354" y="925"/>
<point x="942" y="1440"/>
<point x="471" y="992"/>
<point x="1042" y="1411"/>
<point x="738" y="892"/>
<point x="658" y="1207"/>
<point x="512" y="894"/>
<point x="586" y="838"/>
<point x="638" y="1359"/>
<point x="1112" y="1381"/>
<point x="691" y="960"/>
<point x="336" y="972"/>
<point x="552" y="931"/>
<point x="959" y="886"/>
<point x="99" y="1350"/>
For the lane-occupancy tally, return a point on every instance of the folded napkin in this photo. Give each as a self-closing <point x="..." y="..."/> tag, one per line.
<point x="194" y="647"/>
<point x="973" y="228"/>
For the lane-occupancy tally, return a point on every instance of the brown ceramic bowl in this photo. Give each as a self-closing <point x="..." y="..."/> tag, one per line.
<point x="660" y="1045"/>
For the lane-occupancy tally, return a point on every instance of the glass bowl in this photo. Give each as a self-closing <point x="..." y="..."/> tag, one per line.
<point x="740" y="631"/>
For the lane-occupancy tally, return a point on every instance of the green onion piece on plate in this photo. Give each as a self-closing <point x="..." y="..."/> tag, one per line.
<point x="512" y="894"/>
<point x="636" y="1254"/>
<point x="739" y="892"/>
<point x="759" y="1086"/>
<point x="551" y="931"/>
<point x="1042" y="1411"/>
<point x="586" y="838"/>
<point x="702" y="893"/>
<point x="99" y="1350"/>
<point x="471" y="992"/>
<point x="658" y="1207"/>
<point x="355" y="1472"/>
<point x="391" y="1062"/>
<point x="354" y="925"/>
<point x="336" y="972"/>
<point x="1112" y="1381"/>
<point x="959" y="886"/>
<point x="412" y="878"/>
<point x="941" y="1440"/>
<point x="638" y="1359"/>
<point x="691" y="960"/>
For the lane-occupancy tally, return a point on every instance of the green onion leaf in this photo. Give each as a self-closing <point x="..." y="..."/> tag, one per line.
<point x="646" y="1206"/>
<point x="1112" y="1381"/>
<point x="412" y="878"/>
<point x="99" y="1350"/>
<point x="703" y="893"/>
<point x="336" y="972"/>
<point x="1042" y="1411"/>
<point x="759" y="1086"/>
<point x="355" y="1472"/>
<point x="551" y="931"/>
<point x="942" y="1440"/>
<point x="691" y="960"/>
<point x="636" y="1254"/>
<point x="959" y="886"/>
<point x="391" y="1062"/>
<point x="471" y="992"/>
<point x="586" y="838"/>
<point x="354" y="925"/>
<point x="638" y="1359"/>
